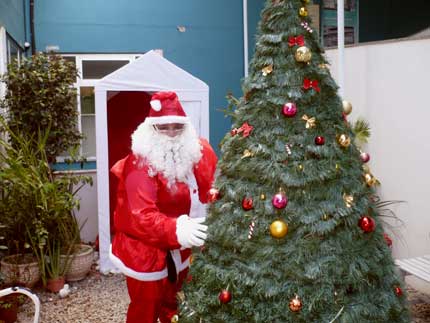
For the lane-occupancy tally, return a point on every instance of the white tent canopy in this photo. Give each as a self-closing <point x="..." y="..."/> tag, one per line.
<point x="149" y="73"/>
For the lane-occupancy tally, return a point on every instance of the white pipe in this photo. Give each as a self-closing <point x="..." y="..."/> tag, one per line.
<point x="341" y="45"/>
<point x="245" y="37"/>
<point x="27" y="292"/>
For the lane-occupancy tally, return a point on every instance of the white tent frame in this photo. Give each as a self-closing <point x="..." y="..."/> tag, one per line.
<point x="194" y="90"/>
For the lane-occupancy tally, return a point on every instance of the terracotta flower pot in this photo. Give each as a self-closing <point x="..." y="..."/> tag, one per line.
<point x="9" y="309"/>
<point x="55" y="284"/>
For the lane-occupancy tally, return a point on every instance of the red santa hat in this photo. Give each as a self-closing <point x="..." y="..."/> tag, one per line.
<point x="166" y="108"/>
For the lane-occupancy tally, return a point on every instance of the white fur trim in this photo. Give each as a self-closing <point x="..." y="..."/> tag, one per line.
<point x="176" y="256"/>
<point x="156" y="105"/>
<point x="197" y="209"/>
<point x="167" y="119"/>
<point x="152" y="276"/>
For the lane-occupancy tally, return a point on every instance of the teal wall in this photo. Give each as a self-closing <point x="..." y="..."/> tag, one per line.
<point x="14" y="17"/>
<point x="210" y="49"/>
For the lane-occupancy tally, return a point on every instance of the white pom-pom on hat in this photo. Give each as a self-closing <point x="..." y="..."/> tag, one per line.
<point x="156" y="105"/>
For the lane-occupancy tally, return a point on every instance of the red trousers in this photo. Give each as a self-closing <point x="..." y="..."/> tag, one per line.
<point x="152" y="300"/>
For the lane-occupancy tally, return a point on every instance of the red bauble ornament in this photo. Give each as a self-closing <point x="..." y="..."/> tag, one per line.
<point x="234" y="132"/>
<point x="388" y="240"/>
<point x="289" y="109"/>
<point x="213" y="195"/>
<point x="398" y="291"/>
<point x="279" y="200"/>
<point x="319" y="140"/>
<point x="367" y="224"/>
<point x="224" y="296"/>
<point x="247" y="203"/>
<point x="365" y="157"/>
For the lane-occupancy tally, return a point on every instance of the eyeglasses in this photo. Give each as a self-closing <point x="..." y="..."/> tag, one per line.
<point x="169" y="128"/>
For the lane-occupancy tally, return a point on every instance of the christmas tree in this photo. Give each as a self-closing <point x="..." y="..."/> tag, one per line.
<point x="294" y="229"/>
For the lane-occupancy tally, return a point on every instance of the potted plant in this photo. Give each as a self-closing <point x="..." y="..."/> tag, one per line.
<point x="9" y="305"/>
<point x="40" y="93"/>
<point x="9" y="308"/>
<point x="55" y="268"/>
<point x="18" y="266"/>
<point x="40" y="122"/>
<point x="37" y="203"/>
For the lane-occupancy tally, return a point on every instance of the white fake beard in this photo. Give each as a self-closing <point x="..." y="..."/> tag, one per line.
<point x="173" y="157"/>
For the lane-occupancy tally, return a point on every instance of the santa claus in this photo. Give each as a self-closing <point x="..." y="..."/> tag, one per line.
<point x="157" y="219"/>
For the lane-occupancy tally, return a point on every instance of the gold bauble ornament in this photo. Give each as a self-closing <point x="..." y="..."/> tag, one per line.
<point x="295" y="304"/>
<point x="369" y="179"/>
<point x="344" y="140"/>
<point x="262" y="196"/>
<point x="303" y="54"/>
<point x="175" y="319"/>
<point x="347" y="107"/>
<point x="303" y="12"/>
<point x="337" y="167"/>
<point x="325" y="217"/>
<point x="278" y="229"/>
<point x="348" y="199"/>
<point x="300" y="167"/>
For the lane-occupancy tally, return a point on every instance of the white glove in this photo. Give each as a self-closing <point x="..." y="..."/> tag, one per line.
<point x="190" y="232"/>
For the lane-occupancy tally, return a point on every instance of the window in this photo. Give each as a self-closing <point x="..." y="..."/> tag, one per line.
<point x="92" y="67"/>
<point x="3" y="59"/>
<point x="14" y="51"/>
<point x="9" y="50"/>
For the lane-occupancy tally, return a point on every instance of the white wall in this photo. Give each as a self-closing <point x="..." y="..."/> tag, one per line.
<point x="88" y="210"/>
<point x="388" y="84"/>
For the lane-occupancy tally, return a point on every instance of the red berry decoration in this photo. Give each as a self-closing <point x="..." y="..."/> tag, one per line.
<point x="398" y="291"/>
<point x="367" y="224"/>
<point x="289" y="109"/>
<point x="213" y="195"/>
<point x="279" y="200"/>
<point x="344" y="117"/>
<point x="319" y="141"/>
<point x="247" y="203"/>
<point x="365" y="157"/>
<point x="388" y="240"/>
<point x="224" y="296"/>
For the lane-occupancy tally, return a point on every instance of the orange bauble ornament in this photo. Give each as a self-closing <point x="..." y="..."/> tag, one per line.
<point x="295" y="304"/>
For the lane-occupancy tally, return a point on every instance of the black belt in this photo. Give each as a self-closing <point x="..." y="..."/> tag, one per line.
<point x="172" y="276"/>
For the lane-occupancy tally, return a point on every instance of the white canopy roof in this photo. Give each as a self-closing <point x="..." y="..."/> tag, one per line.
<point x="151" y="72"/>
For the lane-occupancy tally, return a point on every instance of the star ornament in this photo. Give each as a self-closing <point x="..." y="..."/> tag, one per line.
<point x="246" y="129"/>
<point x="267" y="70"/>
<point x="247" y="153"/>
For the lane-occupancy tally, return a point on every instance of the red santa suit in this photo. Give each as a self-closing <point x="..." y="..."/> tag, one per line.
<point x="145" y="221"/>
